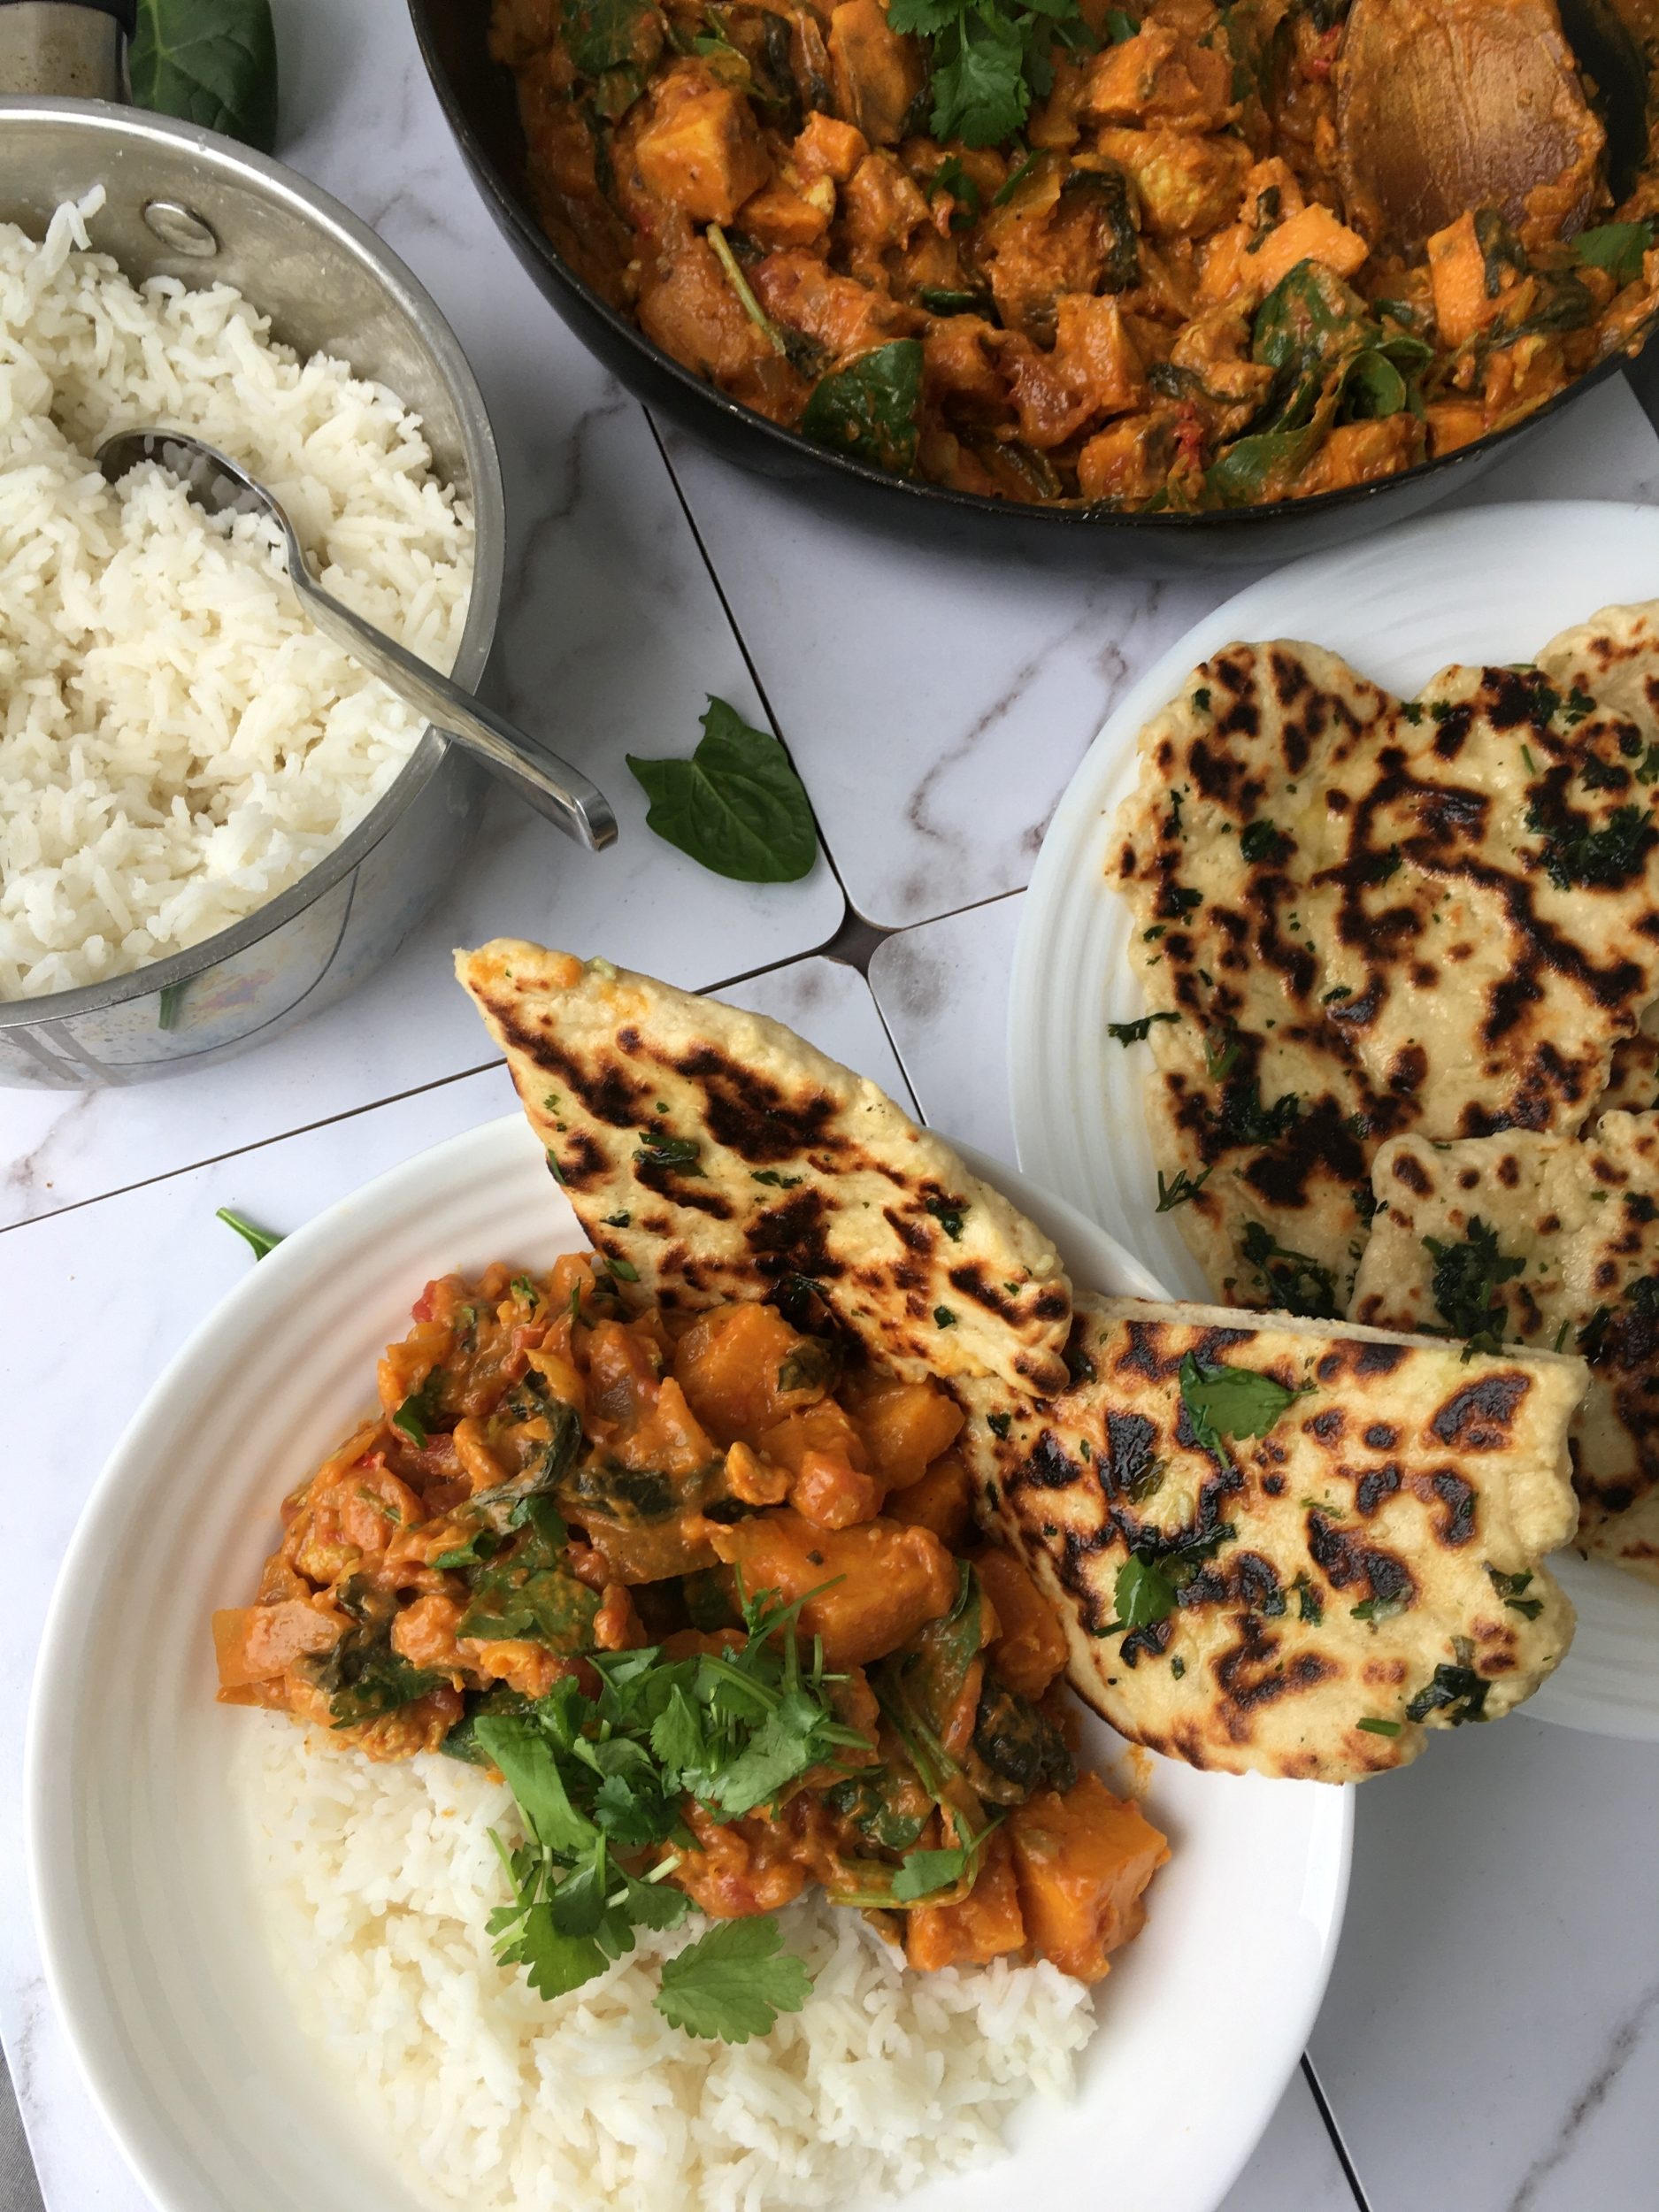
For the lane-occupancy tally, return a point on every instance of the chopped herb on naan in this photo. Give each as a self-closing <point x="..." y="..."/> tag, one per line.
<point x="1557" y="1238"/>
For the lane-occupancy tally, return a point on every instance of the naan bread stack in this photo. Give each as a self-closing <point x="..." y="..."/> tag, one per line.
<point x="1274" y="1546"/>
<point x="1369" y="928"/>
<point x="1359" y="918"/>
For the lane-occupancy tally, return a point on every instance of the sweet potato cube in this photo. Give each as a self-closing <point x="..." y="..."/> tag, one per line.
<point x="830" y="1494"/>
<point x="886" y="1581"/>
<point x="986" y="1924"/>
<point x="877" y="73"/>
<point x="727" y="1364"/>
<point x="776" y="216"/>
<point x="1029" y="1649"/>
<point x="941" y="1502"/>
<point x="820" y="1428"/>
<point x="1457" y="271"/>
<point x="1313" y="235"/>
<point x="829" y="148"/>
<point x="706" y="154"/>
<point x="1082" y="1862"/>
<point x="253" y="1642"/>
<point x="906" y="1427"/>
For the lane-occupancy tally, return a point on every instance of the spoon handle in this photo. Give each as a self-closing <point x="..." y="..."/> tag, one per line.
<point x="550" y="785"/>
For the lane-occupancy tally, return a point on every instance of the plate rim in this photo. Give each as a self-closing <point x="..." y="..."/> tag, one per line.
<point x="1076" y="829"/>
<point x="74" y="1969"/>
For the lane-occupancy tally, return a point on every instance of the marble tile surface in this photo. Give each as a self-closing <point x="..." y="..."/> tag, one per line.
<point x="942" y="988"/>
<point x="938" y="703"/>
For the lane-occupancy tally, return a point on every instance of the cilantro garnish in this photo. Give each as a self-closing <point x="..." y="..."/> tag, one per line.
<point x="594" y="1776"/>
<point x="1229" y="1401"/>
<point x="944" y="1317"/>
<point x="1260" y="841"/>
<point x="1379" y="1727"/>
<point x="733" y="1982"/>
<point x="679" y="1153"/>
<point x="1184" y="1187"/>
<point x="419" y="1410"/>
<point x="1291" y="1280"/>
<point x="1510" y="1587"/>
<point x="258" y="1241"/>
<point x="1458" y="1692"/>
<point x="1136" y="1032"/>
<point x="1466" y="1283"/>
<point x="1378" y="1609"/>
<point x="948" y="1213"/>
<point x="770" y="1175"/>
<point x="1576" y="853"/>
<point x="1149" y="1582"/>
<point x="523" y="1287"/>
<point x="988" y="58"/>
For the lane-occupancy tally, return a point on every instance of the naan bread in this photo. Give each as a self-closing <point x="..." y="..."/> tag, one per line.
<point x="1367" y="1568"/>
<point x="1581" y="1219"/>
<point x="1365" y="917"/>
<point x="715" y="1155"/>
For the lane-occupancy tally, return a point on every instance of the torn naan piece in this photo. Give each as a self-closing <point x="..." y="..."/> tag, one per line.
<point x="1356" y="917"/>
<point x="1549" y="1243"/>
<point x="1288" y="1548"/>
<point x="712" y="1155"/>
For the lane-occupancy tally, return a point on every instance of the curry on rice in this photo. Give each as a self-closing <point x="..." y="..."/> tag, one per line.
<point x="1064" y="253"/>
<point x="637" y="1529"/>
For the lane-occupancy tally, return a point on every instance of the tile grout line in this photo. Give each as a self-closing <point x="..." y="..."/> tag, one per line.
<point x="256" y="1144"/>
<point x="1322" y="2103"/>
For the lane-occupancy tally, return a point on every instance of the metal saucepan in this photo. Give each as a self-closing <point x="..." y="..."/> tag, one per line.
<point x="187" y="203"/>
<point x="480" y="98"/>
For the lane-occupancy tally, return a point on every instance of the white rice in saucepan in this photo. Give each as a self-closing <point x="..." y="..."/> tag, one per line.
<point x="176" y="745"/>
<point x="378" y="1881"/>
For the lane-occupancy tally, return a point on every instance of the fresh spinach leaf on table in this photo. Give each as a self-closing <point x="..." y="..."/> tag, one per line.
<point x="736" y="806"/>
<point x="212" y="62"/>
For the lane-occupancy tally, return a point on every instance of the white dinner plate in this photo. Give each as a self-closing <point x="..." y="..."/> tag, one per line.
<point x="145" y="1900"/>
<point x="1491" y="586"/>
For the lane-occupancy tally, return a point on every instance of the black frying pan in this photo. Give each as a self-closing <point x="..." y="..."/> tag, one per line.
<point x="480" y="98"/>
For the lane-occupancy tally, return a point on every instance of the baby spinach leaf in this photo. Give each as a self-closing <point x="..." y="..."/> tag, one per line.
<point x="1230" y="1401"/>
<point x="736" y="807"/>
<point x="1615" y="246"/>
<point x="258" y="1241"/>
<point x="868" y="409"/>
<point x="211" y="62"/>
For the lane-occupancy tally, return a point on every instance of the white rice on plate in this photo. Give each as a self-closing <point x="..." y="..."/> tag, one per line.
<point x="376" y="1882"/>
<point x="176" y="745"/>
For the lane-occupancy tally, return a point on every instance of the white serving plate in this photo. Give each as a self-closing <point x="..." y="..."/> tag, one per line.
<point x="142" y="1897"/>
<point x="1492" y="585"/>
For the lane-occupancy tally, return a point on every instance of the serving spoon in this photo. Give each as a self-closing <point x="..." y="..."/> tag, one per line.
<point x="221" y="485"/>
<point x="1473" y="104"/>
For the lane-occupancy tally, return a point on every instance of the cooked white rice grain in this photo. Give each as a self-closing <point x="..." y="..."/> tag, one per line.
<point x="176" y="745"/>
<point x="377" y="1883"/>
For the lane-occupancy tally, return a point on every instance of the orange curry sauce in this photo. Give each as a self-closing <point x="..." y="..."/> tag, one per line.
<point x="1157" y="294"/>
<point x="687" y="1462"/>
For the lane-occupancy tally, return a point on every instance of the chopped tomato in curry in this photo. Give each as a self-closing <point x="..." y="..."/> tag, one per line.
<point x="554" y="1481"/>
<point x="1158" y="291"/>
